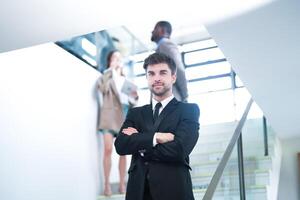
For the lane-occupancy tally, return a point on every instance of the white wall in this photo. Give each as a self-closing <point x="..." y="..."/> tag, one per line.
<point x="48" y="116"/>
<point x="263" y="47"/>
<point x="289" y="186"/>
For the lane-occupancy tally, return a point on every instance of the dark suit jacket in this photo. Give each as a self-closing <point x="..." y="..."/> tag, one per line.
<point x="169" y="48"/>
<point x="166" y="166"/>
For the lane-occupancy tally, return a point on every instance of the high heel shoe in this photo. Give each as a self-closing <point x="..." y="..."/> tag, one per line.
<point x="122" y="189"/>
<point x="107" y="190"/>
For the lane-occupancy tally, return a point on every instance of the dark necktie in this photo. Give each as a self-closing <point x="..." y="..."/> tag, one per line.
<point x="156" y="111"/>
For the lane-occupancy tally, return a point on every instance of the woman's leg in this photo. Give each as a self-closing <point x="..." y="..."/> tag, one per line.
<point x="122" y="171"/>
<point x="122" y="161"/>
<point x="108" y="142"/>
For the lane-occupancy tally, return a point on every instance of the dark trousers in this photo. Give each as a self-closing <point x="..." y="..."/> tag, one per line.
<point x="147" y="194"/>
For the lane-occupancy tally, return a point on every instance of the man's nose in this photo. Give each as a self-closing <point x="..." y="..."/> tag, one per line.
<point x="157" y="78"/>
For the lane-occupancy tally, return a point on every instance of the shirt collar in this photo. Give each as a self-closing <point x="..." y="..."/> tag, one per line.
<point x="161" y="40"/>
<point x="164" y="102"/>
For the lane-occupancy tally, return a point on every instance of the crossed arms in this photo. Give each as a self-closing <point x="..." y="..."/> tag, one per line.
<point x="160" y="138"/>
<point x="170" y="147"/>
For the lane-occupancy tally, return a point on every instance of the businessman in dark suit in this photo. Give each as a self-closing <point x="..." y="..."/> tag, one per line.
<point x="159" y="136"/>
<point x="161" y="36"/>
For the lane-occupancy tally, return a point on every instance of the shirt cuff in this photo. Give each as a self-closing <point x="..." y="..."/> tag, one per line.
<point x="154" y="140"/>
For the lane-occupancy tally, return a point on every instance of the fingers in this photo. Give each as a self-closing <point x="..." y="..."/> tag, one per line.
<point x="169" y="137"/>
<point x="164" y="137"/>
<point x="132" y="129"/>
<point x="129" y="131"/>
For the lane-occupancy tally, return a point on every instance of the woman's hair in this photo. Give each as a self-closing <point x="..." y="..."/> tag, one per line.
<point x="110" y="54"/>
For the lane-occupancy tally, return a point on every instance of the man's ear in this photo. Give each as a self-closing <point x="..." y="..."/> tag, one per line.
<point x="161" y="31"/>
<point x="174" y="77"/>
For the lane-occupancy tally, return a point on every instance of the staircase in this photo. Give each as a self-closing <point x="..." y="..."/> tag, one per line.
<point x="205" y="158"/>
<point x="209" y="150"/>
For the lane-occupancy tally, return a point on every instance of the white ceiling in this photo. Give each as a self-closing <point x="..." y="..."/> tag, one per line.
<point x="31" y="22"/>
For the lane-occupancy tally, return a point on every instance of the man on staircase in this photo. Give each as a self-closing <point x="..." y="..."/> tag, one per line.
<point x="159" y="136"/>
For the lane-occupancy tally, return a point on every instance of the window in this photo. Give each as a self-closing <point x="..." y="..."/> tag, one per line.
<point x="210" y="83"/>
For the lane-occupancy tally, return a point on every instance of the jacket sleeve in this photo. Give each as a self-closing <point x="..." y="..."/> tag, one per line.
<point x="186" y="137"/>
<point x="171" y="50"/>
<point x="181" y="82"/>
<point x="136" y="143"/>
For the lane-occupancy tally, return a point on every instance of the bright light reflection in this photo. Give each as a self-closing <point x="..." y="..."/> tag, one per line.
<point x="89" y="47"/>
<point x="90" y="60"/>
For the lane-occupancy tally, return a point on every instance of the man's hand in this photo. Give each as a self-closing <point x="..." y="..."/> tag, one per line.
<point x="129" y="131"/>
<point x="164" y="137"/>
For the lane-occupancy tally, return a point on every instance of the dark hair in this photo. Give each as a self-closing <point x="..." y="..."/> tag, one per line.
<point x="157" y="58"/>
<point x="109" y="55"/>
<point x="166" y="25"/>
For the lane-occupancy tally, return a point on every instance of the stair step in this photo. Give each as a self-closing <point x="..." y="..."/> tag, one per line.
<point x="221" y="146"/>
<point x="253" y="162"/>
<point x="253" y="192"/>
<point x="216" y="155"/>
<point x="256" y="192"/>
<point x="232" y="179"/>
<point x="112" y="197"/>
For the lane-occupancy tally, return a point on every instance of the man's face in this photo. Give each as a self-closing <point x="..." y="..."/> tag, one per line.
<point x="156" y="34"/>
<point x="160" y="80"/>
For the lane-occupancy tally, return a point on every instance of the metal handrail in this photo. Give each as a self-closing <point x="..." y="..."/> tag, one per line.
<point x="265" y="136"/>
<point x="219" y="171"/>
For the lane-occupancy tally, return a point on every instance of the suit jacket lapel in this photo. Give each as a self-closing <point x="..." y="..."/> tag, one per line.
<point x="166" y="111"/>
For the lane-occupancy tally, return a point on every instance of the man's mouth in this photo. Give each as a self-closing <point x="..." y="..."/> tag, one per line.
<point x="157" y="85"/>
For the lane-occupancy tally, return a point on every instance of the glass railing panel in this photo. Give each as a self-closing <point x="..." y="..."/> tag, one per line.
<point x="226" y="178"/>
<point x="206" y="156"/>
<point x="256" y="164"/>
<point x="228" y="186"/>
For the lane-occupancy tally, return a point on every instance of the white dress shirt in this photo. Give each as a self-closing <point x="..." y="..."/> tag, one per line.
<point x="164" y="103"/>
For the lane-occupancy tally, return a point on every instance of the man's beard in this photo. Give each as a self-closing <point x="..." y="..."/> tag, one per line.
<point x="153" y="38"/>
<point x="160" y="93"/>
